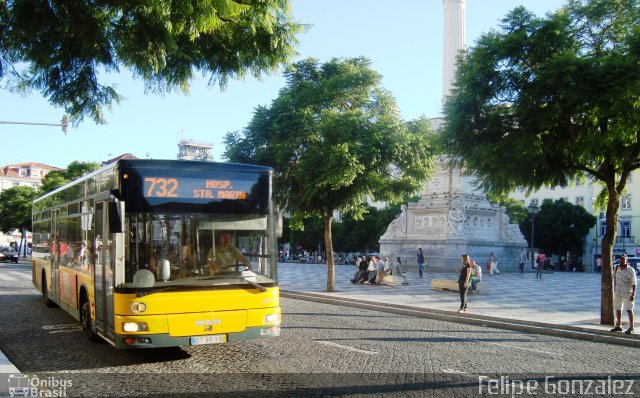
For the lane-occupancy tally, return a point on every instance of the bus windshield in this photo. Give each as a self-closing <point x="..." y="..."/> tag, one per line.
<point x="179" y="249"/>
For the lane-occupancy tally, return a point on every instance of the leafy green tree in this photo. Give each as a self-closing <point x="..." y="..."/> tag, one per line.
<point x="57" y="178"/>
<point x="15" y="207"/>
<point x="54" y="179"/>
<point x="543" y="101"/>
<point x="68" y="45"/>
<point x="515" y="209"/>
<point x="560" y="227"/>
<point x="335" y="140"/>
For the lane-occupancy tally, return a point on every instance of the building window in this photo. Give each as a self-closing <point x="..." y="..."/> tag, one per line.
<point x="626" y="202"/>
<point x="625" y="228"/>
<point x="580" y="201"/>
<point x="578" y="181"/>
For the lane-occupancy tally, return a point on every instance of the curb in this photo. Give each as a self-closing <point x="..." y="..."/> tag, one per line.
<point x="6" y="366"/>
<point x="572" y="332"/>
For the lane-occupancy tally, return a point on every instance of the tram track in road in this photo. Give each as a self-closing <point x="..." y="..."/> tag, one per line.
<point x="471" y="319"/>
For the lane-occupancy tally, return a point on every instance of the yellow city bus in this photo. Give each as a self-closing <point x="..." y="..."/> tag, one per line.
<point x="133" y="251"/>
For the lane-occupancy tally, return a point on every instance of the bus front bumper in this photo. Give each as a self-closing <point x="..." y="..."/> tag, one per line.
<point x="137" y="341"/>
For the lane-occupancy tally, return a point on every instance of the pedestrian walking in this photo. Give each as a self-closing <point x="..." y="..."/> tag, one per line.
<point x="463" y="282"/>
<point x="523" y="259"/>
<point x="624" y="294"/>
<point x="493" y="264"/>
<point x="540" y="261"/>
<point x="420" y="258"/>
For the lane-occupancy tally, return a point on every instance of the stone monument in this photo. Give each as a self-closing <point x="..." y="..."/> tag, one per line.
<point x="452" y="217"/>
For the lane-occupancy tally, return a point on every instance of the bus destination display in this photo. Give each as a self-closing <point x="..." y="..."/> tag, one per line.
<point x="161" y="187"/>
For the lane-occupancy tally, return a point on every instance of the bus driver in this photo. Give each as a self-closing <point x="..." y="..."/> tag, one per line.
<point x="226" y="256"/>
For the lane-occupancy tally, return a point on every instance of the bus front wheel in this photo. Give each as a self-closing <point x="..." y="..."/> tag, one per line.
<point x="85" y="318"/>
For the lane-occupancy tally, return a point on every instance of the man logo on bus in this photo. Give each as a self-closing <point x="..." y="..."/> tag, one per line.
<point x="138" y="307"/>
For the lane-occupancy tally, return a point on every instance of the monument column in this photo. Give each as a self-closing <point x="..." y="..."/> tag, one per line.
<point x="454" y="39"/>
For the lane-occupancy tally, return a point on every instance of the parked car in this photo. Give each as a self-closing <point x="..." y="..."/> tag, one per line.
<point x="8" y="254"/>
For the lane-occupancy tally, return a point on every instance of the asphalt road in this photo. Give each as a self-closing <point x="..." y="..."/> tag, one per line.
<point x="324" y="350"/>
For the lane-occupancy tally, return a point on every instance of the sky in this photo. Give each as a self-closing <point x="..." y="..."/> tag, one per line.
<point x="402" y="38"/>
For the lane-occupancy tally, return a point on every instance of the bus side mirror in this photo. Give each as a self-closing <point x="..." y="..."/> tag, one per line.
<point x="116" y="217"/>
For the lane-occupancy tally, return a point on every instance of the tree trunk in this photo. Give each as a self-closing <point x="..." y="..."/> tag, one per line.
<point x="328" y="244"/>
<point x="606" y="285"/>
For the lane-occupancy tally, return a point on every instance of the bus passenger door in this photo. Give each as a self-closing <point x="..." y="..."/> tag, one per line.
<point x="55" y="256"/>
<point x="105" y="270"/>
<point x="98" y="274"/>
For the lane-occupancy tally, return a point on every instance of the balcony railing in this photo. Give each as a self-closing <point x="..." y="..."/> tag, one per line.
<point x="625" y="239"/>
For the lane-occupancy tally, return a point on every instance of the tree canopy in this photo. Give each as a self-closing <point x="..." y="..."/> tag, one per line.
<point x="63" y="48"/>
<point x="57" y="178"/>
<point x="15" y="207"/>
<point x="335" y="139"/>
<point x="560" y="227"/>
<point x="542" y="101"/>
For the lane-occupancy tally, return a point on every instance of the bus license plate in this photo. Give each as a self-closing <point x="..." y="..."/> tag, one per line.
<point x="213" y="339"/>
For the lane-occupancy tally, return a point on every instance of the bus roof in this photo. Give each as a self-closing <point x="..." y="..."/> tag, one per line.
<point x="165" y="163"/>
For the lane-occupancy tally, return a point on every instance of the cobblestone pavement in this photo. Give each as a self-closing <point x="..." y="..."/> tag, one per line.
<point x="325" y="350"/>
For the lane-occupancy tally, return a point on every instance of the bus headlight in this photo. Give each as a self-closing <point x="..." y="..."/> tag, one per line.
<point x="135" y="327"/>
<point x="271" y="318"/>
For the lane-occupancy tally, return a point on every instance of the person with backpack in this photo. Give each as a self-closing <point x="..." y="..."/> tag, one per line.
<point x="476" y="276"/>
<point x="624" y="293"/>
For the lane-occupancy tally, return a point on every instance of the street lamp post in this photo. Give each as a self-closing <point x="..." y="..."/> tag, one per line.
<point x="64" y="123"/>
<point x="533" y="210"/>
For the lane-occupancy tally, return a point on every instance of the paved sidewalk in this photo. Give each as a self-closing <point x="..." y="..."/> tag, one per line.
<point x="570" y="299"/>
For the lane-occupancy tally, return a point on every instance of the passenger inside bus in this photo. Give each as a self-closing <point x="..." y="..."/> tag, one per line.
<point x="225" y="257"/>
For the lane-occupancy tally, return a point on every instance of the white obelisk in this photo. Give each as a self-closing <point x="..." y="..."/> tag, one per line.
<point x="455" y="33"/>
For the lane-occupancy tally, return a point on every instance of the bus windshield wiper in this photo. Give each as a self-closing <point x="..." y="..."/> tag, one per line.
<point x="254" y="284"/>
<point x="245" y="278"/>
<point x="148" y="292"/>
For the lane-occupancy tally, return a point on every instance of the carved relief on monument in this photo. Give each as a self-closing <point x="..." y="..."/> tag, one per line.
<point x="421" y="222"/>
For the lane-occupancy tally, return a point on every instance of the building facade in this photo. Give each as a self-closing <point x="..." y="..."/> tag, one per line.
<point x="24" y="174"/>
<point x="194" y="150"/>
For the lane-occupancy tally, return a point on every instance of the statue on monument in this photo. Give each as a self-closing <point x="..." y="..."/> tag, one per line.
<point x="456" y="218"/>
<point x="399" y="225"/>
<point x="510" y="232"/>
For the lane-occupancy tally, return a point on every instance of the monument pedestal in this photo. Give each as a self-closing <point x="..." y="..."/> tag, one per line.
<point x="453" y="218"/>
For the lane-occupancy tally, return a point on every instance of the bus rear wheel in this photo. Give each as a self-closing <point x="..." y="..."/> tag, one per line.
<point x="85" y="319"/>
<point x="45" y="293"/>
